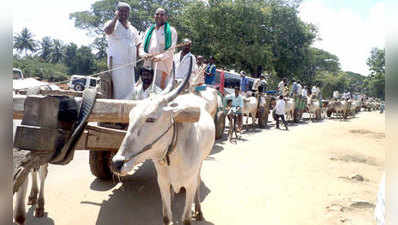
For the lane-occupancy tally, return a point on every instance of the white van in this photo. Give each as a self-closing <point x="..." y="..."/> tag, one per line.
<point x="81" y="82"/>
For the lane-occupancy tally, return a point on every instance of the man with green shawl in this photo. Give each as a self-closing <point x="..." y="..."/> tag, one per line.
<point x="159" y="38"/>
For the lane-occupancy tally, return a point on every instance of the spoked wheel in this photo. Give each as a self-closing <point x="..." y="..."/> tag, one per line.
<point x="100" y="164"/>
<point x="233" y="130"/>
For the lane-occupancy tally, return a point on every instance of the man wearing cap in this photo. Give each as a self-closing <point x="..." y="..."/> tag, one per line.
<point x="181" y="62"/>
<point x="158" y="47"/>
<point x="123" y="41"/>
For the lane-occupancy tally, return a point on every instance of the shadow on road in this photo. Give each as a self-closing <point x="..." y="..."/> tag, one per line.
<point x="137" y="201"/>
<point x="32" y="220"/>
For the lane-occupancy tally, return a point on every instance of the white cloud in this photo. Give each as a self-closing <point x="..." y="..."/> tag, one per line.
<point x="50" y="18"/>
<point x="346" y="33"/>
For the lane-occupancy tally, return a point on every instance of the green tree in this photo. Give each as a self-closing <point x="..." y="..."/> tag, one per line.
<point x="46" y="48"/>
<point x="376" y="62"/>
<point x="376" y="81"/>
<point x="58" y="52"/>
<point x="100" y="46"/>
<point x="24" y="42"/>
<point x="70" y="59"/>
<point x="35" y="67"/>
<point x="141" y="14"/>
<point x="85" y="61"/>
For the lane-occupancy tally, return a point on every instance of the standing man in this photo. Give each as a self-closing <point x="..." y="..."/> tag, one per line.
<point x="335" y="94"/>
<point x="263" y="84"/>
<point x="123" y="41"/>
<point x="304" y="93"/>
<point x="159" y="38"/>
<point x="280" y="112"/>
<point x="181" y="62"/>
<point x="293" y="92"/>
<point x="281" y="85"/>
<point x="210" y="72"/>
<point x="200" y="73"/>
<point x="244" y="83"/>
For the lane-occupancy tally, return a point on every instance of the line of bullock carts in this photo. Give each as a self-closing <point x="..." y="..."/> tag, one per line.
<point x="56" y="123"/>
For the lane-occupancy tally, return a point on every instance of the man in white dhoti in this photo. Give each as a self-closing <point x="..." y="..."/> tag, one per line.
<point x="123" y="41"/>
<point x="159" y="38"/>
<point x="181" y="62"/>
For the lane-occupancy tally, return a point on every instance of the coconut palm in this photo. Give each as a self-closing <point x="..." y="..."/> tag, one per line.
<point x="24" y="41"/>
<point x="58" y="52"/>
<point x="46" y="48"/>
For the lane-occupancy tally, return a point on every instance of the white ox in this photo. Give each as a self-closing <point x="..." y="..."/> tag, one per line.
<point x="341" y="108"/>
<point x="20" y="197"/>
<point x="289" y="109"/>
<point x="212" y="100"/>
<point x="314" y="108"/>
<point x="250" y="105"/>
<point x="150" y="135"/>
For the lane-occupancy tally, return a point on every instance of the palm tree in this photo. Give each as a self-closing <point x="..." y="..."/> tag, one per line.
<point x="24" y="41"/>
<point x="46" y="48"/>
<point x="58" y="52"/>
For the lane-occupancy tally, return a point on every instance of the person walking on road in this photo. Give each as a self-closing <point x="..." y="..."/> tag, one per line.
<point x="280" y="112"/>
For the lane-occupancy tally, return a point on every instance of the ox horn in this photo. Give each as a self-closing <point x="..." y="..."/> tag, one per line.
<point x="170" y="85"/>
<point x="174" y="93"/>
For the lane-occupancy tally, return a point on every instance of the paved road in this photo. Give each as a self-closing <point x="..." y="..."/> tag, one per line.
<point x="302" y="176"/>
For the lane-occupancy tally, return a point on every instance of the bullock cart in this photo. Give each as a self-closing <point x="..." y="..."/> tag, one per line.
<point x="56" y="124"/>
<point x="263" y="109"/>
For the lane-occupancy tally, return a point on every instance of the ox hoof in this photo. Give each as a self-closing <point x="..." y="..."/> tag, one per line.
<point x="187" y="222"/>
<point x="20" y="220"/>
<point x="197" y="215"/>
<point x="39" y="212"/>
<point x="32" y="200"/>
<point x="166" y="221"/>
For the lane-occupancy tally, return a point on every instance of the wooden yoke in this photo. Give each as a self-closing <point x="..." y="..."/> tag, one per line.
<point x="46" y="124"/>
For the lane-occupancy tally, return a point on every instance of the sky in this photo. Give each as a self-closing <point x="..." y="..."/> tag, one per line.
<point x="348" y="29"/>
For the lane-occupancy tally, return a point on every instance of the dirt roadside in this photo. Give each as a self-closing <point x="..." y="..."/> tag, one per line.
<point x="317" y="173"/>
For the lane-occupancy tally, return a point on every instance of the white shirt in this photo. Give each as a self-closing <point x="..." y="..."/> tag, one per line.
<point x="122" y="44"/>
<point x="182" y="67"/>
<point x="157" y="45"/>
<point x="299" y="89"/>
<point x="256" y="84"/>
<point x="335" y="94"/>
<point x="304" y="93"/>
<point x="139" y="93"/>
<point x="281" y="85"/>
<point x="280" y="107"/>
<point x="314" y="90"/>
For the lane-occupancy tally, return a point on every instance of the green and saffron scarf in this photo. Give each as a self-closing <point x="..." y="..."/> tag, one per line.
<point x="167" y="36"/>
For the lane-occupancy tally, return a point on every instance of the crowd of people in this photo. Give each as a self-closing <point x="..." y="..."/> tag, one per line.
<point x="157" y="48"/>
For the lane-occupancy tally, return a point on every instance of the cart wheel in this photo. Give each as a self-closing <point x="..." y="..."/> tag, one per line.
<point x="220" y="124"/>
<point x="100" y="162"/>
<point x="262" y="118"/>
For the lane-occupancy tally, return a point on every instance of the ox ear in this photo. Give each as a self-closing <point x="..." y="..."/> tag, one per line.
<point x="183" y="113"/>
